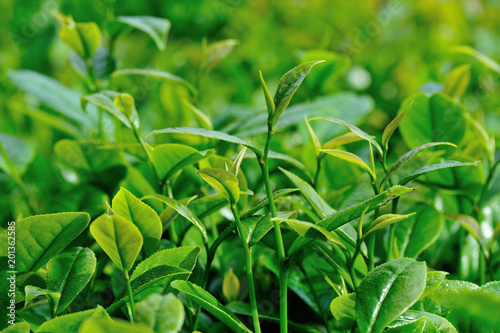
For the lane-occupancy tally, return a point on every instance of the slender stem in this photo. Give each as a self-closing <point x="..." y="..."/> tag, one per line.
<point x="210" y="259"/>
<point x="94" y="88"/>
<point x="148" y="155"/>
<point x="350" y="265"/>
<point x="371" y="238"/>
<point x="318" y="170"/>
<point x="392" y="230"/>
<point x="248" y="255"/>
<point x="487" y="184"/>
<point x="316" y="299"/>
<point x="283" y="271"/>
<point x="130" y="297"/>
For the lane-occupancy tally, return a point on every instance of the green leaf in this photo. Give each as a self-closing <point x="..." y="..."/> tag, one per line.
<point x="209" y="134"/>
<point x="154" y="274"/>
<point x="351" y="158"/>
<point x="33" y="292"/>
<point x="223" y="181"/>
<point x="106" y="100"/>
<point x="429" y="168"/>
<point x="172" y="157"/>
<point x="264" y="202"/>
<point x="457" y="81"/>
<point x="269" y="100"/>
<point x="342" y="140"/>
<point x="391" y="127"/>
<point x="485" y="60"/>
<point x="161" y="313"/>
<point x="311" y="230"/>
<point x="468" y="223"/>
<point x="434" y="280"/>
<point x="420" y="231"/>
<point x="421" y="325"/>
<point x="353" y="129"/>
<point x="114" y="326"/>
<point x="156" y="27"/>
<point x="288" y="85"/>
<point x="126" y="104"/>
<point x="158" y="74"/>
<point x="343" y="309"/>
<point x="387" y="292"/>
<point x="202" y="119"/>
<point x="70" y="323"/>
<point x="53" y="94"/>
<point x="314" y="138"/>
<point x="210" y="304"/>
<point x="386" y="220"/>
<point x="409" y="155"/>
<point x="69" y="272"/>
<point x="439" y="323"/>
<point x="182" y="210"/>
<point x="320" y="206"/>
<point x="437" y="118"/>
<point x="41" y="237"/>
<point x="217" y="51"/>
<point x="83" y="38"/>
<point x="20" y="153"/>
<point x="21" y="327"/>
<point x="119" y="238"/>
<point x="143" y="216"/>
<point x="231" y="286"/>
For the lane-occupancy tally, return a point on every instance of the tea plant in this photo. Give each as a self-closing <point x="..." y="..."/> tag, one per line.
<point x="195" y="229"/>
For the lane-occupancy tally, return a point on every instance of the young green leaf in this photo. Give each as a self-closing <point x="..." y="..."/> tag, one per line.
<point x="105" y="325"/>
<point x="158" y="74"/>
<point x="217" y="51"/>
<point x="434" y="280"/>
<point x="391" y="127"/>
<point x="41" y="237"/>
<point x="269" y="100"/>
<point x="387" y="292"/>
<point x="223" y="181"/>
<point x="482" y="58"/>
<point x="70" y="323"/>
<point x="314" y="138"/>
<point x="161" y="313"/>
<point x="202" y="119"/>
<point x="288" y="85"/>
<point x="468" y="223"/>
<point x="106" y="100"/>
<point x="182" y="210"/>
<point x="429" y="168"/>
<point x="119" y="238"/>
<point x="342" y="140"/>
<point x="19" y="152"/>
<point x="19" y="327"/>
<point x="231" y="286"/>
<point x="439" y="323"/>
<point x="210" y="304"/>
<point x="32" y="292"/>
<point x="143" y="216"/>
<point x="409" y="155"/>
<point x="457" y="81"/>
<point x="421" y="325"/>
<point x="264" y="202"/>
<point x="156" y="27"/>
<point x="237" y="161"/>
<point x="68" y="273"/>
<point x="386" y="220"/>
<point x="351" y="158"/>
<point x="209" y="134"/>
<point x="343" y="309"/>
<point x="83" y="38"/>
<point x="126" y="104"/>
<point x="353" y="129"/>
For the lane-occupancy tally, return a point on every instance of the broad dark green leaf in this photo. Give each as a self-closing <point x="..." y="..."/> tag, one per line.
<point x="421" y="325"/>
<point x="172" y="157"/>
<point x="343" y="309"/>
<point x="156" y="27"/>
<point x="209" y="134"/>
<point x="41" y="237"/>
<point x="353" y="129"/>
<point x="223" y="181"/>
<point x="457" y="81"/>
<point x="434" y="167"/>
<point x="387" y="292"/>
<point x="119" y="238"/>
<point x="182" y="210"/>
<point x="433" y="119"/>
<point x="143" y="216"/>
<point x="161" y="313"/>
<point x="112" y="326"/>
<point x="210" y="304"/>
<point x="70" y="323"/>
<point x="409" y="155"/>
<point x="53" y="94"/>
<point x="439" y="324"/>
<point x="69" y="272"/>
<point x="420" y="231"/>
<point x="288" y="85"/>
<point x="105" y="100"/>
<point x="155" y="73"/>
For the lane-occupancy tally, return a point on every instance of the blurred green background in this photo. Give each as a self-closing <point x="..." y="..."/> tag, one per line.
<point x="385" y="51"/>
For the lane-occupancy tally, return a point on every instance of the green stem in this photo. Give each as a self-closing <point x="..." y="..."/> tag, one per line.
<point x="130" y="297"/>
<point x="148" y="156"/>
<point x="283" y="271"/>
<point x="318" y="170"/>
<point x="487" y="184"/>
<point x="248" y="257"/>
<point x="392" y="230"/>
<point x="210" y="259"/>
<point x="316" y="299"/>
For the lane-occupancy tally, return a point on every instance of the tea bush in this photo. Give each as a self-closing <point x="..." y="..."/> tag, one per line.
<point x="307" y="209"/>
